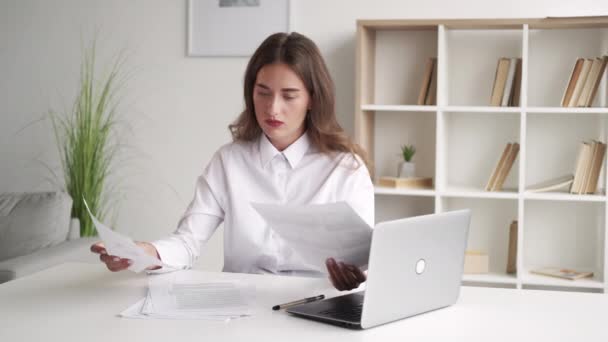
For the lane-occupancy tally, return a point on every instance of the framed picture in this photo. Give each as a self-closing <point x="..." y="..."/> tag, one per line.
<point x="233" y="27"/>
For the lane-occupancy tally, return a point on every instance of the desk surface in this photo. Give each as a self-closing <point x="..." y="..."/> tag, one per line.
<point x="79" y="302"/>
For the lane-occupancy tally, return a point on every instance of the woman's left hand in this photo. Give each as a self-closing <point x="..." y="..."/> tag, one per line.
<point x="343" y="276"/>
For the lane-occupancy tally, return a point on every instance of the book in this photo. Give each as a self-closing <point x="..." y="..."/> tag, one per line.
<point x="578" y="66"/>
<point x="410" y="183"/>
<point x="508" y="91"/>
<point x="506" y="167"/>
<point x="580" y="83"/>
<point x="559" y="183"/>
<point x="587" y="167"/>
<point x="597" y="81"/>
<point x="500" y="79"/>
<point x="564" y="273"/>
<point x="517" y="85"/>
<point x="584" y="155"/>
<point x="476" y="262"/>
<point x="512" y="252"/>
<point x="497" y="168"/>
<point x="426" y="81"/>
<point x="594" y="73"/>
<point x="431" y="96"/>
<point x="596" y="167"/>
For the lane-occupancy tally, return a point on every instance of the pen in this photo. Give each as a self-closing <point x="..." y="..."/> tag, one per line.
<point x="297" y="302"/>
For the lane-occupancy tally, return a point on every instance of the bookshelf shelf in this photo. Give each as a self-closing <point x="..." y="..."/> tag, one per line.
<point x="534" y="279"/>
<point x="490" y="278"/>
<point x="380" y="190"/>
<point x="399" y="108"/>
<point x="460" y="139"/>
<point x="556" y="196"/>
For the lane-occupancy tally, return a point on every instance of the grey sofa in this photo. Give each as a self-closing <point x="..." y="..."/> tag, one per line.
<point x="36" y="233"/>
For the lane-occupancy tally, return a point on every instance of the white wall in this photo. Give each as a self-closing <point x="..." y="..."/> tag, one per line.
<point x="178" y="107"/>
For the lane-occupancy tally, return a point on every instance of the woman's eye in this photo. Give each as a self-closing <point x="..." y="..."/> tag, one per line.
<point x="289" y="97"/>
<point x="263" y="94"/>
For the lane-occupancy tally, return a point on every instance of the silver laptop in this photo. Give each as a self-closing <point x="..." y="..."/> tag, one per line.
<point x="415" y="266"/>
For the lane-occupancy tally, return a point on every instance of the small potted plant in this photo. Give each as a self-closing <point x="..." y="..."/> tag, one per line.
<point x="407" y="168"/>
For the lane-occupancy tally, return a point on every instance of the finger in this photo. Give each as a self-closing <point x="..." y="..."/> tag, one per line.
<point x="340" y="278"/>
<point x="114" y="263"/>
<point x="98" y="248"/>
<point x="361" y="277"/>
<point x="332" y="268"/>
<point x="351" y="280"/>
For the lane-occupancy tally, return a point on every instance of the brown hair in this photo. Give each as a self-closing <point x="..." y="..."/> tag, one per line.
<point x="303" y="57"/>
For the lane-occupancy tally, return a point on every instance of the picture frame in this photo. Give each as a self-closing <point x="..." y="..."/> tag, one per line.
<point x="233" y="28"/>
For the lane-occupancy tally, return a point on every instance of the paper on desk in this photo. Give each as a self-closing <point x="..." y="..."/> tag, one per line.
<point x="170" y="298"/>
<point x="122" y="246"/>
<point x="319" y="231"/>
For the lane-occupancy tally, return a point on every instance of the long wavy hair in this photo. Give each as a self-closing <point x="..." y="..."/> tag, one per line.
<point x="304" y="58"/>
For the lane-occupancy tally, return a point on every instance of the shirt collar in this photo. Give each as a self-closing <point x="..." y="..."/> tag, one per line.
<point x="293" y="153"/>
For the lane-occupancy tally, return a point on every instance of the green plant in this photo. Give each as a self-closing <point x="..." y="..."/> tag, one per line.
<point x="86" y="141"/>
<point x="408" y="151"/>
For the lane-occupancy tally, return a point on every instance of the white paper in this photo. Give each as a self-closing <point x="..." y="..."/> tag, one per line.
<point x="320" y="231"/>
<point x="170" y="297"/>
<point x="123" y="246"/>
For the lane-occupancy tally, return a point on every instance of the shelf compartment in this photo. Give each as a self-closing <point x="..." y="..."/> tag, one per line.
<point x="488" y="232"/>
<point x="399" y="69"/>
<point x="548" y="77"/>
<point x="392" y="208"/>
<point x="564" y="234"/>
<point x="474" y="144"/>
<point x="472" y="57"/>
<point x="394" y="129"/>
<point x="536" y="279"/>
<point x="553" y="145"/>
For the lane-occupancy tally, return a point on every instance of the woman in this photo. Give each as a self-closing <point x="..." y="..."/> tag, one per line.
<point x="287" y="148"/>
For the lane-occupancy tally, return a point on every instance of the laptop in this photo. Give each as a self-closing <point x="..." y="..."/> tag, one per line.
<point x="415" y="266"/>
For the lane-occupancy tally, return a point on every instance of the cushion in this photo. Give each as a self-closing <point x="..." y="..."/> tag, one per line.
<point x="31" y="221"/>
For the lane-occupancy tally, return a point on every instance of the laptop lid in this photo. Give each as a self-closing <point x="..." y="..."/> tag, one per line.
<point x="415" y="266"/>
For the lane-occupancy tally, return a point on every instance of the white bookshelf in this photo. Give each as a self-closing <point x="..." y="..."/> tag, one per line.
<point x="459" y="139"/>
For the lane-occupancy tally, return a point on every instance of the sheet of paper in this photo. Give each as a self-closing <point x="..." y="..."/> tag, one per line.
<point x="317" y="232"/>
<point x="123" y="246"/>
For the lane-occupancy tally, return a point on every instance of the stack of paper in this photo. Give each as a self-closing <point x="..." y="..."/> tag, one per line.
<point x="169" y="298"/>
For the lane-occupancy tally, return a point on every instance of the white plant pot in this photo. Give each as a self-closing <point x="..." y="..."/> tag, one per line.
<point x="406" y="170"/>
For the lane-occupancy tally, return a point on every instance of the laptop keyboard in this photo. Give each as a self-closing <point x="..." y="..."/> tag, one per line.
<point x="352" y="313"/>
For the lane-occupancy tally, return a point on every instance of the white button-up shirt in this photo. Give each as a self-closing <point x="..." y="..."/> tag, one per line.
<point x="241" y="173"/>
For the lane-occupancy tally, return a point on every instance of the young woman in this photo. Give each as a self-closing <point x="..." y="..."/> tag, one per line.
<point x="287" y="148"/>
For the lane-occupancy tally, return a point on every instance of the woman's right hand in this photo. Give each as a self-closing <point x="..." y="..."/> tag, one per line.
<point x="114" y="263"/>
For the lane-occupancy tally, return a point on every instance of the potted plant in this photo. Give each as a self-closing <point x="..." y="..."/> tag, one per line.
<point x="407" y="168"/>
<point x="87" y="142"/>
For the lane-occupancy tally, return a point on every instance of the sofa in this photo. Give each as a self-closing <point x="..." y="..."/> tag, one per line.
<point x="36" y="232"/>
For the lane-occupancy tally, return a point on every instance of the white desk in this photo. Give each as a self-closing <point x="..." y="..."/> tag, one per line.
<point x="79" y="302"/>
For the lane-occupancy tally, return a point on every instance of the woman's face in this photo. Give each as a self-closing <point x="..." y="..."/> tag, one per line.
<point x="281" y="101"/>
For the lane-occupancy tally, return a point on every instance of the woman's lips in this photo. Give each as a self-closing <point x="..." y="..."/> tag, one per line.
<point x="274" y="123"/>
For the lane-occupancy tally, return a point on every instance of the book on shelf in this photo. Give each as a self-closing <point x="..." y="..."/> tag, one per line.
<point x="580" y="82"/>
<point x="516" y="85"/>
<point x="598" y="79"/>
<point x="561" y="184"/>
<point x="428" y="87"/>
<point x="564" y="273"/>
<point x="588" y="166"/>
<point x="503" y="167"/>
<point x="512" y="252"/>
<point x="476" y="262"/>
<point x="507" y="83"/>
<point x="406" y="183"/>
<point x="594" y="72"/>
<point x="576" y="72"/>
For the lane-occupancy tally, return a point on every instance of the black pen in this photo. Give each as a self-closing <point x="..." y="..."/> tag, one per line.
<point x="297" y="302"/>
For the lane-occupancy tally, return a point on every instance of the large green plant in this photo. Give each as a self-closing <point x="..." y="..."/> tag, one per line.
<point x="86" y="139"/>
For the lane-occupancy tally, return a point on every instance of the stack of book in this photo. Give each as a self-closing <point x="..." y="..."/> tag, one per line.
<point x="586" y="172"/>
<point x="584" y="82"/>
<point x="428" y="90"/>
<point x="503" y="167"/>
<point x="507" y="83"/>
<point x="408" y="183"/>
<point x="564" y="273"/>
